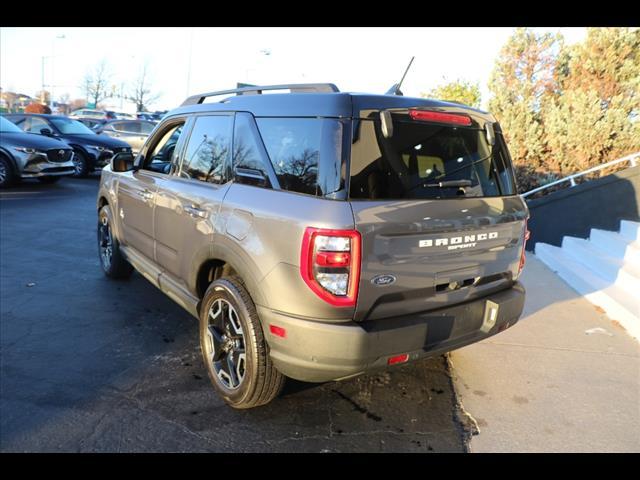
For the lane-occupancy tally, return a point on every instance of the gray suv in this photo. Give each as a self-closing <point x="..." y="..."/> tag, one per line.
<point x="320" y="235"/>
<point x="26" y="155"/>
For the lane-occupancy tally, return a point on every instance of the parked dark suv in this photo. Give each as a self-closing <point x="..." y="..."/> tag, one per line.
<point x="320" y="235"/>
<point x="91" y="151"/>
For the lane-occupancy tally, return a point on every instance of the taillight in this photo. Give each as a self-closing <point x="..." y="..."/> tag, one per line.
<point x="398" y="359"/>
<point x="523" y="258"/>
<point x="330" y="264"/>
<point x="431" y="116"/>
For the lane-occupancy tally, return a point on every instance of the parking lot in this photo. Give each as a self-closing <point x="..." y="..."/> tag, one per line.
<point x="89" y="364"/>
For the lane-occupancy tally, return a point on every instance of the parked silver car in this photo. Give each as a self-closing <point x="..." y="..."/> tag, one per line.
<point x="134" y="132"/>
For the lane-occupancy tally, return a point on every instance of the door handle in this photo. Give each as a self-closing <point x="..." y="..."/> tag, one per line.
<point x="146" y="195"/>
<point x="195" y="211"/>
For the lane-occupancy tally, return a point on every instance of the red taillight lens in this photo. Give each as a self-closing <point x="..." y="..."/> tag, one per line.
<point x="523" y="257"/>
<point x="398" y="359"/>
<point x="330" y="264"/>
<point x="430" y="116"/>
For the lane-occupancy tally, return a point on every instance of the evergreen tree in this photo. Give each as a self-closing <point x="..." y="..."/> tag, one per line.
<point x="458" y="91"/>
<point x="593" y="116"/>
<point x="523" y="77"/>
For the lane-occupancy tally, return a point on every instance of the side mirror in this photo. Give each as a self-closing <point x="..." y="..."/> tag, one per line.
<point x="46" y="131"/>
<point x="122" y="162"/>
<point x="250" y="176"/>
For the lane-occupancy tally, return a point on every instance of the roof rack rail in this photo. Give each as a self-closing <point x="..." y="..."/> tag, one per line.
<point x="257" y="90"/>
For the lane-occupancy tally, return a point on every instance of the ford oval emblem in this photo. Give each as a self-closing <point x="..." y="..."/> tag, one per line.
<point x="382" y="280"/>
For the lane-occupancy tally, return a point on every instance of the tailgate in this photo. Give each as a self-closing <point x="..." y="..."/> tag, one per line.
<point x="423" y="255"/>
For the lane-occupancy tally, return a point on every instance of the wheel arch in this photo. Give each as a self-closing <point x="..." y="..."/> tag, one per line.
<point x="102" y="201"/>
<point x="220" y="265"/>
<point x="5" y="153"/>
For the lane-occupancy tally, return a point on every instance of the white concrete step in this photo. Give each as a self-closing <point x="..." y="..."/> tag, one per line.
<point x="619" y="304"/>
<point x="615" y="245"/>
<point x="611" y="269"/>
<point x="630" y="230"/>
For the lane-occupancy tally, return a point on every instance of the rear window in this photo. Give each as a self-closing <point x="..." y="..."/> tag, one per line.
<point x="306" y="153"/>
<point x="420" y="155"/>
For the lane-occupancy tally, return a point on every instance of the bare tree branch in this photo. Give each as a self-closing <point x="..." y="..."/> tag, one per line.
<point x="95" y="83"/>
<point x="140" y="92"/>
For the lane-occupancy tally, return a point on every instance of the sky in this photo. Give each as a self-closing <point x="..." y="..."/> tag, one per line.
<point x="186" y="61"/>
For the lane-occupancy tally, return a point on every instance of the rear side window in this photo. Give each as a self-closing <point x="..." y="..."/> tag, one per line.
<point x="34" y="124"/>
<point x="247" y="152"/>
<point x="306" y="153"/>
<point x="208" y="149"/>
<point x="420" y="155"/>
<point x="146" y="128"/>
<point x="127" y="127"/>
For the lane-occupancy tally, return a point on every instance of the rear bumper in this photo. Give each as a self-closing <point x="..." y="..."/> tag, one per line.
<point x="318" y="351"/>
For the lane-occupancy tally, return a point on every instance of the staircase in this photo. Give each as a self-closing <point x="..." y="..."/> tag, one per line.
<point x="605" y="269"/>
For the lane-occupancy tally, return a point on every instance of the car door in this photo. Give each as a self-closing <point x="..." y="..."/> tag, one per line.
<point x="137" y="190"/>
<point x="189" y="199"/>
<point x="127" y="133"/>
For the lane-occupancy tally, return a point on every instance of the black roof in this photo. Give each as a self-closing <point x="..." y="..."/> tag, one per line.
<point x="325" y="104"/>
<point x="46" y="115"/>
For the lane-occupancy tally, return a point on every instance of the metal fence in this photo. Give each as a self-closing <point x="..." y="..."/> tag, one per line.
<point x="631" y="159"/>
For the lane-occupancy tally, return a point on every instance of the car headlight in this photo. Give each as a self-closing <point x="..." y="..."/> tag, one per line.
<point x="96" y="147"/>
<point x="28" y="150"/>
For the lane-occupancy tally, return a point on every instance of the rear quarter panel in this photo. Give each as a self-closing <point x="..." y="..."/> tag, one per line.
<point x="263" y="230"/>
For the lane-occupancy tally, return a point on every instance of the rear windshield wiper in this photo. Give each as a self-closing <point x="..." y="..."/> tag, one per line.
<point x="443" y="184"/>
<point x="450" y="184"/>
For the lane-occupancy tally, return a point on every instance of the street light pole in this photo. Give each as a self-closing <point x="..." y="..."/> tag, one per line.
<point x="53" y="78"/>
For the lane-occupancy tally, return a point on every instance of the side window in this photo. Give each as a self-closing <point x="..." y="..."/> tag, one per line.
<point x="34" y="125"/>
<point x="247" y="152"/>
<point x="161" y="154"/>
<point x="306" y="153"/>
<point x="130" y="127"/>
<point x="208" y="149"/>
<point x="146" y="128"/>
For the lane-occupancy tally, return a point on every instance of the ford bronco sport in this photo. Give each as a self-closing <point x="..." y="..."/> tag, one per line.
<point x="317" y="234"/>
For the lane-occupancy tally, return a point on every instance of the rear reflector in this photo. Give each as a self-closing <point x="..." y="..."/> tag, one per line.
<point x="333" y="259"/>
<point x="398" y="359"/>
<point x="523" y="257"/>
<point x="278" y="331"/>
<point x="430" y="116"/>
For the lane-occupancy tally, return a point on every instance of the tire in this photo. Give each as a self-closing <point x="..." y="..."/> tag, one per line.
<point x="7" y="174"/>
<point x="48" y="180"/>
<point x="255" y="380"/>
<point x="112" y="261"/>
<point x="81" y="164"/>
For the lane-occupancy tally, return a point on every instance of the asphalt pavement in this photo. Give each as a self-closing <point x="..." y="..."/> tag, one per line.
<point x="565" y="378"/>
<point x="88" y="364"/>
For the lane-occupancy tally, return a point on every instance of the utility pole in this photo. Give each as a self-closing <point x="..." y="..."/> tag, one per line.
<point x="42" y="97"/>
<point x="189" y="68"/>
